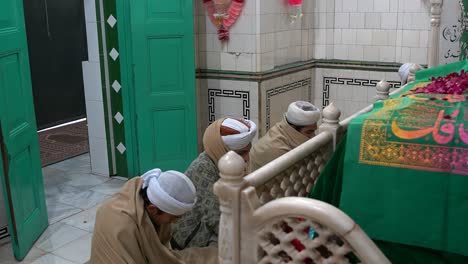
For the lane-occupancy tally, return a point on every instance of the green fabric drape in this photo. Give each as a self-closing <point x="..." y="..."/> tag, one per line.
<point x="421" y="202"/>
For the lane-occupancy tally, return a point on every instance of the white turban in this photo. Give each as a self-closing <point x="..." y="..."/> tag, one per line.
<point x="302" y="113"/>
<point x="245" y="136"/>
<point x="171" y="191"/>
<point x="404" y="72"/>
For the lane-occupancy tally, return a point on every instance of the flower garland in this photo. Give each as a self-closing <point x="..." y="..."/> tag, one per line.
<point x="454" y="83"/>
<point x="223" y="14"/>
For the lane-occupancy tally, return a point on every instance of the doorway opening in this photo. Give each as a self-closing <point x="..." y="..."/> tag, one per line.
<point x="66" y="81"/>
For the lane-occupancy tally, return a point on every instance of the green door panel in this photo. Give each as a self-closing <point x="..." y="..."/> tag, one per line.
<point x="164" y="68"/>
<point x="20" y="172"/>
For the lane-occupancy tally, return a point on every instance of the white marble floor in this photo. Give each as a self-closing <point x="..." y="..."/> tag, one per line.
<point x="72" y="196"/>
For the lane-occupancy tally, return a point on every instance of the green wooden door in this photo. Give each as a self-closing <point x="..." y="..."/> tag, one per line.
<point x="164" y="83"/>
<point x="21" y="174"/>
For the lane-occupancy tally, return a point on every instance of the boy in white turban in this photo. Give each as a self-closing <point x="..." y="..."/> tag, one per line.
<point x="134" y="225"/>
<point x="199" y="228"/>
<point x="298" y="126"/>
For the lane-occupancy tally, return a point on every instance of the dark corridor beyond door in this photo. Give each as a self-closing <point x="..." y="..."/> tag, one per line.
<point x="56" y="32"/>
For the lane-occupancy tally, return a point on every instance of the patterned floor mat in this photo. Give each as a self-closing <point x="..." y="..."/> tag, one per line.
<point x="63" y="143"/>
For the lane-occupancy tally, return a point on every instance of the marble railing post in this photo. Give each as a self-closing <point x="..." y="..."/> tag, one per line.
<point x="330" y="122"/>
<point x="383" y="90"/>
<point x="227" y="188"/>
<point x="436" y="11"/>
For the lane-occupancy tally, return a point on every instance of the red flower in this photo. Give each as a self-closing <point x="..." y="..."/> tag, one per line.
<point x="453" y="83"/>
<point x="295" y="2"/>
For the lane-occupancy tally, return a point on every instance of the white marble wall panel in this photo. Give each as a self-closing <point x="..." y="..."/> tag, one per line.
<point x="350" y="90"/>
<point x="226" y="98"/>
<point x="450" y="32"/>
<point x="381" y="30"/>
<point x="278" y="93"/>
<point x="93" y="95"/>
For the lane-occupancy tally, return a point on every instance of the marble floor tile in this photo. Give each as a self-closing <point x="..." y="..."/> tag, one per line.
<point x="85" y="180"/>
<point x="51" y="259"/>
<point x="52" y="177"/>
<point x="84" y="220"/>
<point x="58" y="211"/>
<point x="83" y="199"/>
<point x="58" y="235"/>
<point x="110" y="187"/>
<point x="73" y="164"/>
<point x="78" y="251"/>
<point x="85" y="158"/>
<point x="7" y="256"/>
<point x="56" y="192"/>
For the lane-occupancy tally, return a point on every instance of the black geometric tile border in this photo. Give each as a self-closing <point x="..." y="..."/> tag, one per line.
<point x="4" y="233"/>
<point x="351" y="82"/>
<point x="282" y="89"/>
<point x="243" y="95"/>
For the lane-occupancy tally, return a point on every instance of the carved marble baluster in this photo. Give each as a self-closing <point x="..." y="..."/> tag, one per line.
<point x="383" y="90"/>
<point x="330" y="122"/>
<point x="227" y="188"/>
<point x="436" y="11"/>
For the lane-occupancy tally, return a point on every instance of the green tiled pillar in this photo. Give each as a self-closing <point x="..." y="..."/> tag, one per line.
<point x="112" y="88"/>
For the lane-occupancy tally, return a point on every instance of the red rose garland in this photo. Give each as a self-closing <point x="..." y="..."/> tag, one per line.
<point x="224" y="22"/>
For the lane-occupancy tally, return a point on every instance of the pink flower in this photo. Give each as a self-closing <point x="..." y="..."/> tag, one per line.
<point x="453" y="83"/>
<point x="295" y="2"/>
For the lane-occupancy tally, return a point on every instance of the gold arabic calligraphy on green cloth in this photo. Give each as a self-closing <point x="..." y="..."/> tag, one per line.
<point x="425" y="132"/>
<point x="407" y="179"/>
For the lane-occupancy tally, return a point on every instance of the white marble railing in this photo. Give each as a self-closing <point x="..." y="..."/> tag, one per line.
<point x="263" y="212"/>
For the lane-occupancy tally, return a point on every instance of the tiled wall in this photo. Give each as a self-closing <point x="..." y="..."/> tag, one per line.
<point x="94" y="95"/>
<point x="279" y="92"/>
<point x="234" y="99"/>
<point x="382" y="30"/>
<point x="350" y="90"/>
<point x="239" y="54"/>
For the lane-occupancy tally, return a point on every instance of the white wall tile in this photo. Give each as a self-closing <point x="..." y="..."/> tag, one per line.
<point x="90" y="10"/>
<point x="98" y="155"/>
<point x="95" y="118"/>
<point x="337" y="36"/>
<point x="364" y="36"/>
<point x="387" y="53"/>
<point x="320" y="52"/>
<point x="228" y="61"/>
<point x="371" y="53"/>
<point x="372" y="20"/>
<point x="244" y="62"/>
<point x="356" y="20"/>
<point x="410" y="38"/>
<point x="382" y="5"/>
<point x="350" y="6"/>
<point x="341" y="52"/>
<point x="341" y="20"/>
<point x="365" y="5"/>
<point x="424" y="39"/>
<point x="93" y="41"/>
<point x="419" y="55"/>
<point x="389" y="21"/>
<point x="356" y="53"/>
<point x="349" y="36"/>
<point x="380" y="37"/>
<point x="92" y="81"/>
